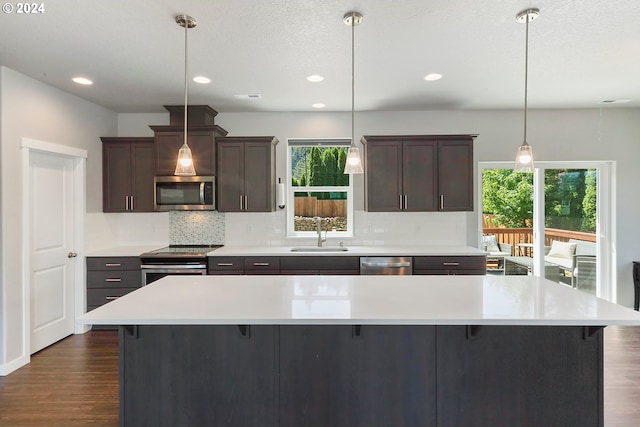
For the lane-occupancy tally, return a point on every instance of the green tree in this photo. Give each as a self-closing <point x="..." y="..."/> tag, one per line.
<point x="589" y="201"/>
<point x="314" y="166"/>
<point x="342" y="178"/>
<point x="329" y="170"/>
<point x="508" y="195"/>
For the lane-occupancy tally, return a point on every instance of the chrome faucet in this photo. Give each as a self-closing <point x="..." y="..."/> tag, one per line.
<point x="320" y="239"/>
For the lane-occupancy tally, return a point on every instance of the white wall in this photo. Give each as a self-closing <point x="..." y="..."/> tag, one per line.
<point x="35" y="110"/>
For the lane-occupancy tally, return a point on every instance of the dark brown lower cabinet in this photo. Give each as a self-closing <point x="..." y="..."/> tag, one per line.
<point x="361" y="376"/>
<point x="351" y="376"/>
<point x="526" y="376"/>
<point x="199" y="375"/>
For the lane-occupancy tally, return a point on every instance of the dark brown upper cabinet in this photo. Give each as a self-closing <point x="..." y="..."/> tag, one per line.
<point x="419" y="173"/>
<point x="128" y="166"/>
<point x="246" y="174"/>
<point x="201" y="134"/>
<point x="201" y="140"/>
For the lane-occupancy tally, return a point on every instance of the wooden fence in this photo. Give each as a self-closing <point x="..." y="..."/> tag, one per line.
<point x="311" y="206"/>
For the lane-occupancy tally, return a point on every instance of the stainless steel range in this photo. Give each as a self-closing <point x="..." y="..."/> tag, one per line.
<point x="175" y="260"/>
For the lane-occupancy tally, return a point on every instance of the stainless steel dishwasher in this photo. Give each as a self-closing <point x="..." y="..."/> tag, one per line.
<point x="386" y="265"/>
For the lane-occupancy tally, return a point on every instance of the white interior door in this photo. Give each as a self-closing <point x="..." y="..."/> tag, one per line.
<point x="51" y="255"/>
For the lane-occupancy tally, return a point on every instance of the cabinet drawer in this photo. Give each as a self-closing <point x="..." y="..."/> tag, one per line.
<point x="449" y="262"/>
<point x="113" y="263"/>
<point x="264" y="263"/>
<point x="96" y="297"/>
<point x="324" y="263"/>
<point x="222" y="264"/>
<point x="114" y="279"/>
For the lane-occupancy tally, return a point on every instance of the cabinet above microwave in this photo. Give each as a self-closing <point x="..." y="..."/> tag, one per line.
<point x="184" y="193"/>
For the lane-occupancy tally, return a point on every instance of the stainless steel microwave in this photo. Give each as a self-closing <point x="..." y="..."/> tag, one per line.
<point x="184" y="193"/>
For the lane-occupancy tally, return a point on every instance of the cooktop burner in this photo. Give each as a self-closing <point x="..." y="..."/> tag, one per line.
<point x="175" y="251"/>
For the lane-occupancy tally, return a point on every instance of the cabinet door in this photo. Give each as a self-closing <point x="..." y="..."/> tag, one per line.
<point x="230" y="177"/>
<point x="258" y="177"/>
<point x="419" y="176"/>
<point x="202" y="147"/>
<point x="142" y="171"/>
<point x="455" y="175"/>
<point x="384" y="176"/>
<point x="198" y="375"/>
<point x="555" y="382"/>
<point x="116" y="176"/>
<point x="348" y="376"/>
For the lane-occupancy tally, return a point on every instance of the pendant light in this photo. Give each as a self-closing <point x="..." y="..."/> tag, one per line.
<point x="524" y="157"/>
<point x="353" y="163"/>
<point x="184" y="165"/>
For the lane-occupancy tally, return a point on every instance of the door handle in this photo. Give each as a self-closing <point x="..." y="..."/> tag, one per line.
<point x="72" y="255"/>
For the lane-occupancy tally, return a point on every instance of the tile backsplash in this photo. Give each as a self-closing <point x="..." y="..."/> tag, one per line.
<point x="196" y="228"/>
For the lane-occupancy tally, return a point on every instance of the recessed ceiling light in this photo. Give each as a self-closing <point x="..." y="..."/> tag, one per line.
<point x="82" y="81"/>
<point x="433" y="77"/>
<point x="315" y="78"/>
<point x="248" y="96"/>
<point x="615" y="101"/>
<point x="202" y="80"/>
<point x="318" y="105"/>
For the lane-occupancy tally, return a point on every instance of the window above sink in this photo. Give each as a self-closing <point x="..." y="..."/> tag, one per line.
<point x="318" y="189"/>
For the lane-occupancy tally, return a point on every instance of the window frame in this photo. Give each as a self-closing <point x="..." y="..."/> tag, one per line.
<point x="290" y="190"/>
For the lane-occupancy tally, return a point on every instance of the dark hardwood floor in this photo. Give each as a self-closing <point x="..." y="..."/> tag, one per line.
<point x="75" y="383"/>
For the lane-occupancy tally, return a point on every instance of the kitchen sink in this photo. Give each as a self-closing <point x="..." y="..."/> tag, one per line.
<point x="317" y="249"/>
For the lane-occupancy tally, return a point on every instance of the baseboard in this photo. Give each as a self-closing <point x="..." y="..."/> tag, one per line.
<point x="81" y="329"/>
<point x="7" y="368"/>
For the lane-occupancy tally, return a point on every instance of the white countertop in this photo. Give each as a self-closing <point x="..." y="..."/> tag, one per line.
<point x="428" y="300"/>
<point x="122" y="251"/>
<point x="408" y="250"/>
<point x="286" y="251"/>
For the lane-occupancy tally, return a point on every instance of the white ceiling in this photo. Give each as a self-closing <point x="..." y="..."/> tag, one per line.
<point x="580" y="53"/>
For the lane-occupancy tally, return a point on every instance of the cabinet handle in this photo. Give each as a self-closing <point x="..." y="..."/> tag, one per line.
<point x="441" y="201"/>
<point x="112" y="264"/>
<point x="111" y="298"/>
<point x="126" y="203"/>
<point x="113" y="279"/>
<point x="261" y="264"/>
<point x="131" y="203"/>
<point x="225" y="264"/>
<point x="245" y="331"/>
<point x="400" y="201"/>
<point x="241" y="202"/>
<point x="406" y="198"/>
<point x="246" y="202"/>
<point x="453" y="264"/>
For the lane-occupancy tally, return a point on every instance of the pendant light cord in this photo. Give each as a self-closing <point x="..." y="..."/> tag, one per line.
<point x="526" y="77"/>
<point x="353" y="80"/>
<point x="186" y="79"/>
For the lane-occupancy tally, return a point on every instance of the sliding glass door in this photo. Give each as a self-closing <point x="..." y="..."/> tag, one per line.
<point x="555" y="221"/>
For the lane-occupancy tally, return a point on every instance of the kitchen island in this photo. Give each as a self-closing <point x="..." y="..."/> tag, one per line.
<point x="360" y="351"/>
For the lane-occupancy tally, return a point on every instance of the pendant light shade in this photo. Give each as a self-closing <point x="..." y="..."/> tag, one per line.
<point x="184" y="165"/>
<point x="524" y="157"/>
<point x="353" y="164"/>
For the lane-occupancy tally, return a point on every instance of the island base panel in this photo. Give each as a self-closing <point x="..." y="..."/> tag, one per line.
<point x="361" y="376"/>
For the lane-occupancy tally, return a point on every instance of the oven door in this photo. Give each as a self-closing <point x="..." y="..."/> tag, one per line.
<point x="151" y="273"/>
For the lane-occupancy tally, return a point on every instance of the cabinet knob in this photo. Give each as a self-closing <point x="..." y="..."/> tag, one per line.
<point x="72" y="255"/>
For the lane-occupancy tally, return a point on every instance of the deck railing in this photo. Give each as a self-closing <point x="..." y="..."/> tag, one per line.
<point x="515" y="236"/>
